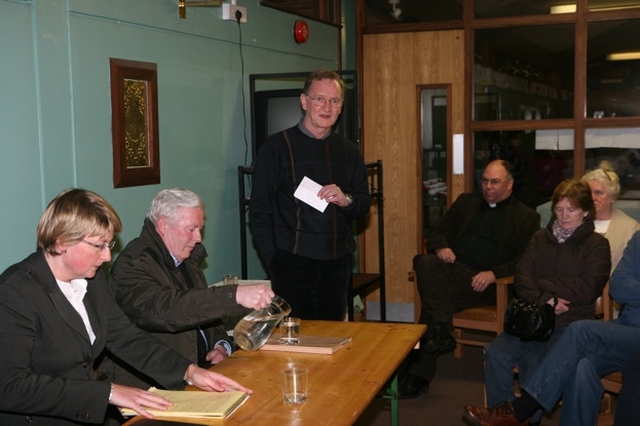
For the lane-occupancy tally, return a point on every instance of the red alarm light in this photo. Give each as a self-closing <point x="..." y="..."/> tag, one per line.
<point x="300" y="31"/>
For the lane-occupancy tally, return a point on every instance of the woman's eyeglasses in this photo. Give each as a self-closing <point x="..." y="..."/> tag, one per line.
<point x="110" y="245"/>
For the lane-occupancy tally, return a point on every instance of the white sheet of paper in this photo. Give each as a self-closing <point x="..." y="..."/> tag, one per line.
<point x="458" y="154"/>
<point x="308" y="192"/>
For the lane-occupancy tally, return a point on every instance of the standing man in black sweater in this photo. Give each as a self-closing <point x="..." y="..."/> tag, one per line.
<point x="308" y="251"/>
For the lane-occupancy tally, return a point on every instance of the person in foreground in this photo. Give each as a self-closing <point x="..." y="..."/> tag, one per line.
<point x="481" y="238"/>
<point x="586" y="351"/>
<point x="566" y="265"/>
<point x="308" y="252"/>
<point x="626" y="406"/>
<point x="158" y="283"/>
<point x="57" y="316"/>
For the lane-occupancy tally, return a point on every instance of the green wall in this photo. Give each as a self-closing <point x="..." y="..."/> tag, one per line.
<point x="55" y="108"/>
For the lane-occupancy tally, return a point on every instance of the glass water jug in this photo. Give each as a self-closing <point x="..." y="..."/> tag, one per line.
<point x="253" y="331"/>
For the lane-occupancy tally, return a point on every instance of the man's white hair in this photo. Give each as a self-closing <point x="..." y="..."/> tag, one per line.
<point x="169" y="201"/>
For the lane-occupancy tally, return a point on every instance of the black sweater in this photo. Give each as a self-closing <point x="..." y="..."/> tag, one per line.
<point x="280" y="221"/>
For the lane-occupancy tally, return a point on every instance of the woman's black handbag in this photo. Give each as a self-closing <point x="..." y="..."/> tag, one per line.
<point x="529" y="321"/>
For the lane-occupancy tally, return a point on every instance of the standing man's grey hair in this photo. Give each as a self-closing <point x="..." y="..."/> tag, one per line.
<point x="168" y="201"/>
<point x="323" y="74"/>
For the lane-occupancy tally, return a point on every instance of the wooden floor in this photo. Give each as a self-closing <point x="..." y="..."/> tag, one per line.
<point x="458" y="382"/>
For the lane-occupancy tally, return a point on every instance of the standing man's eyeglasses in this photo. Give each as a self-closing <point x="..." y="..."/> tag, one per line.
<point x="320" y="101"/>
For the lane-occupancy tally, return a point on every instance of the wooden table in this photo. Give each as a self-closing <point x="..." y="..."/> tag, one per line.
<point x="341" y="385"/>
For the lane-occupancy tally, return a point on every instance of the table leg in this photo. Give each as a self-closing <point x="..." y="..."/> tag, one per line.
<point x="395" y="406"/>
<point x="392" y="394"/>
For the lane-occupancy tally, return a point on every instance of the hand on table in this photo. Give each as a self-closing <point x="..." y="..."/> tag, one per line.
<point x="208" y="380"/>
<point x="138" y="400"/>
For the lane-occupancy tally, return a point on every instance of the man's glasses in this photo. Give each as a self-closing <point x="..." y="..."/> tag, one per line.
<point x="494" y="182"/>
<point x="110" y="245"/>
<point x="320" y="101"/>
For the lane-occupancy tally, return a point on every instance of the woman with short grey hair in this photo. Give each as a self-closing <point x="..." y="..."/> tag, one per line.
<point x="610" y="221"/>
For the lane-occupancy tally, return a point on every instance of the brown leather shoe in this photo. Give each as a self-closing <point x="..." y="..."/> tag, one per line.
<point x="500" y="415"/>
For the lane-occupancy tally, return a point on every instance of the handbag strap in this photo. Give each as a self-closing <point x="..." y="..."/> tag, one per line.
<point x="555" y="299"/>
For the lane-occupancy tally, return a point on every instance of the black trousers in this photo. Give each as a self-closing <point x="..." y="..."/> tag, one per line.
<point x="315" y="289"/>
<point x="445" y="288"/>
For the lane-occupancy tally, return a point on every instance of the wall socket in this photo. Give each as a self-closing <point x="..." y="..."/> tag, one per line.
<point x="229" y="12"/>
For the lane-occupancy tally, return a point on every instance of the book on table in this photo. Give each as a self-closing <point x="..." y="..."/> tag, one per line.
<point x="196" y="404"/>
<point x="308" y="344"/>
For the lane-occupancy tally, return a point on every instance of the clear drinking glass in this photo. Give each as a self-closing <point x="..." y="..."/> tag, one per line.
<point x="294" y="384"/>
<point x="289" y="331"/>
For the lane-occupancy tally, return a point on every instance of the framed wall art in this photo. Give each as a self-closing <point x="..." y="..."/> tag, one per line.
<point x="134" y="115"/>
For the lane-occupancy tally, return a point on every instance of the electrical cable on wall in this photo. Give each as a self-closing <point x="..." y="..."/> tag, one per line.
<point x="238" y="16"/>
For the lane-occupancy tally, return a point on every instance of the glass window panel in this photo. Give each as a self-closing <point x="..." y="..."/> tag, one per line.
<point x="619" y="149"/>
<point x="595" y="5"/>
<point x="524" y="73"/>
<point x="412" y="11"/>
<point x="541" y="160"/>
<point x="433" y="124"/>
<point x="613" y="87"/>
<point x="552" y="163"/>
<point x="495" y="8"/>
<point x="500" y="8"/>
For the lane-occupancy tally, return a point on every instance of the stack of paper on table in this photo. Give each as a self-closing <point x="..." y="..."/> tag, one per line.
<point x="196" y="404"/>
<point x="308" y="344"/>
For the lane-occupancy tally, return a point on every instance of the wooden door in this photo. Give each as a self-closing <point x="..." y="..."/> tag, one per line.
<point x="394" y="67"/>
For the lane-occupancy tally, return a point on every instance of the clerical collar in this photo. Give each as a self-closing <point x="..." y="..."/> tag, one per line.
<point x="500" y="203"/>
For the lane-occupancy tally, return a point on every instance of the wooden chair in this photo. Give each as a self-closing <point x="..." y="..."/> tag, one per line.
<point x="611" y="382"/>
<point x="484" y="318"/>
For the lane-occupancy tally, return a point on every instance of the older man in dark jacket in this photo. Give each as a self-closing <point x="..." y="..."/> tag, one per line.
<point x="158" y="283"/>
<point x="480" y="239"/>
